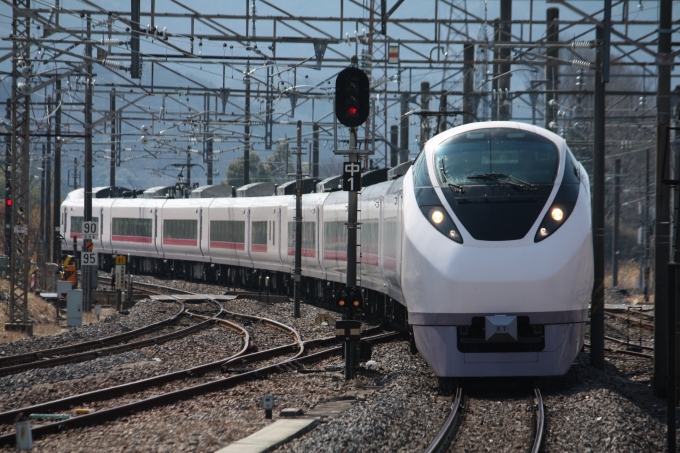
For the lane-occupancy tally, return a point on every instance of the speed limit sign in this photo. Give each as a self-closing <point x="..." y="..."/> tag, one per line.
<point x="90" y="230"/>
<point x="89" y="259"/>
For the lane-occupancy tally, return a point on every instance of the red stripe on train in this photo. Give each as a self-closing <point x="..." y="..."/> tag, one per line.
<point x="139" y="239"/>
<point x="184" y="242"/>
<point x="309" y="253"/>
<point x="227" y="245"/>
<point x="258" y="247"/>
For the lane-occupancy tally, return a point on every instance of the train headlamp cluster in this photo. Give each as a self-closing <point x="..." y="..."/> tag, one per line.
<point x="554" y="218"/>
<point x="441" y="220"/>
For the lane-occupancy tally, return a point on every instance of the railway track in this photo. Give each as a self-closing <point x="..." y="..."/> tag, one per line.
<point x="92" y="349"/>
<point x="193" y="379"/>
<point x="444" y="440"/>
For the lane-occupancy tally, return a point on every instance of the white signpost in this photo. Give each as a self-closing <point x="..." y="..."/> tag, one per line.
<point x="89" y="259"/>
<point x="90" y="230"/>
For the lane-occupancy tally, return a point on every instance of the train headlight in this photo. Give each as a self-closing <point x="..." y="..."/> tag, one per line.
<point x="441" y="220"/>
<point x="559" y="211"/>
<point x="557" y="214"/>
<point x="437" y="216"/>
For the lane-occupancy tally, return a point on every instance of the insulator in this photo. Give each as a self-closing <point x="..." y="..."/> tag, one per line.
<point x="581" y="64"/>
<point x="111" y="42"/>
<point x="580" y="127"/>
<point x="582" y="45"/>
<point x="25" y="88"/>
<point x="112" y="65"/>
<point x="553" y="125"/>
<point x="552" y="103"/>
<point x="144" y="140"/>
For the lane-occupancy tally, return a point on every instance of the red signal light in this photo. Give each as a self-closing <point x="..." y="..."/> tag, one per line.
<point x="352" y="110"/>
<point x="8" y="203"/>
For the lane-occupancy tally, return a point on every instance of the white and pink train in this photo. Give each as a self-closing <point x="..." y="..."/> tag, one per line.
<point x="482" y="250"/>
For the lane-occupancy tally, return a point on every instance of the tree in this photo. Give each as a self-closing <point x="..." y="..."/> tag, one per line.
<point x="258" y="171"/>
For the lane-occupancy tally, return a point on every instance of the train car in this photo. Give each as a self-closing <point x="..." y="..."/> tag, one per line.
<point x="497" y="266"/>
<point x="482" y="250"/>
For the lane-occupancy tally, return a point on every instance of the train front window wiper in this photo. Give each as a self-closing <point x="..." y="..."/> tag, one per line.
<point x="507" y="179"/>
<point x="455" y="187"/>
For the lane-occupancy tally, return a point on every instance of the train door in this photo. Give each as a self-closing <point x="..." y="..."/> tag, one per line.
<point x="155" y="230"/>
<point x="400" y="230"/>
<point x="200" y="231"/>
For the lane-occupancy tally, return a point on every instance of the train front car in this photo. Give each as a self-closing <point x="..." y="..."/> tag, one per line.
<point x="497" y="266"/>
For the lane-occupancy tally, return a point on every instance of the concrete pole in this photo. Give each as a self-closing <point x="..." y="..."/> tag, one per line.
<point x="315" y="150"/>
<point x="246" y="149"/>
<point x="615" y="232"/>
<point x="468" y="82"/>
<point x="394" y="139"/>
<point x="404" y="145"/>
<point x="87" y="270"/>
<point x="504" y="36"/>
<point x="56" y="247"/>
<point x="597" y="301"/>
<point x="551" y="69"/>
<point x="662" y="204"/>
<point x="425" y="129"/>
<point x="298" y="224"/>
<point x="112" y="112"/>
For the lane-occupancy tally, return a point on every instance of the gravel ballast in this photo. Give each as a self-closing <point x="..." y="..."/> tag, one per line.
<point x="398" y="406"/>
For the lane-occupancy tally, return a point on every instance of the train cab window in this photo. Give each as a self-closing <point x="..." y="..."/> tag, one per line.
<point x="421" y="176"/>
<point x="495" y="156"/>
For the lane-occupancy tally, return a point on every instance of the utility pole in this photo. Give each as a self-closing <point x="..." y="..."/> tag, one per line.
<point x="209" y="158"/>
<point x="495" y="95"/>
<point x="56" y="246"/>
<point x="298" y="222"/>
<point x="504" y="35"/>
<point x="424" y="120"/>
<point x="8" y="182"/>
<point x="645" y="232"/>
<point x="394" y="139"/>
<point x="246" y="149"/>
<point x="551" y="74"/>
<point x="404" y="145"/>
<point x="47" y="164"/>
<point x="597" y="301"/>
<point x="468" y="82"/>
<point x="441" y="120"/>
<point x="87" y="270"/>
<point x="114" y="141"/>
<point x="41" y="228"/>
<point x="20" y="258"/>
<point x="315" y="150"/>
<point x="662" y="224"/>
<point x="615" y="232"/>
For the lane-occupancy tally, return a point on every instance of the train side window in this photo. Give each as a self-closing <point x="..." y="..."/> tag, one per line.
<point x="421" y="175"/>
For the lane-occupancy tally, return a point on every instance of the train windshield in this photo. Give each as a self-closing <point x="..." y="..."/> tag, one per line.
<point x="496" y="156"/>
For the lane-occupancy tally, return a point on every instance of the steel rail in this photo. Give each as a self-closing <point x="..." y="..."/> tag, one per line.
<point x="623" y="351"/>
<point x="616" y="340"/>
<point x="112" y="339"/>
<point x="443" y="439"/>
<point x="540" y="420"/>
<point x="89" y="355"/>
<point x="174" y="396"/>
<point x="644" y="324"/>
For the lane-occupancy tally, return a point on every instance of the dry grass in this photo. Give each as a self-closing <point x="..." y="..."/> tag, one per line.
<point x="629" y="274"/>
<point x="41" y="313"/>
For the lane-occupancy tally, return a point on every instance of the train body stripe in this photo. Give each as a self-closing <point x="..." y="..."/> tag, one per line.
<point x="138" y="239"/>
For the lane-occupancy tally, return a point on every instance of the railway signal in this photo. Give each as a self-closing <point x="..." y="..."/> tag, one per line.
<point x="352" y="97"/>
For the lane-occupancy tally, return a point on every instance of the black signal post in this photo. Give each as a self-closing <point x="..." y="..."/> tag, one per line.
<point x="352" y="106"/>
